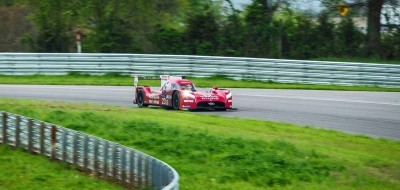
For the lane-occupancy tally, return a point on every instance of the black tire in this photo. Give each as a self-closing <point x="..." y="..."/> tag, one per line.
<point x="140" y="99"/>
<point x="220" y="109"/>
<point x="175" y="100"/>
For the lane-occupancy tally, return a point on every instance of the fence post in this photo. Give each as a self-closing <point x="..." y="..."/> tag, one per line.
<point x="114" y="163"/>
<point x="140" y="172"/>
<point x="147" y="172"/>
<point x="95" y="157"/>
<point x="75" y="149"/>
<point x="4" y="121"/>
<point x="30" y="135"/>
<point x="132" y="169"/>
<point x="17" y="130"/>
<point x="42" y="126"/>
<point x="123" y="166"/>
<point x="105" y="160"/>
<point x="153" y="174"/>
<point x="53" y="141"/>
<point x="64" y="145"/>
<point x="85" y="153"/>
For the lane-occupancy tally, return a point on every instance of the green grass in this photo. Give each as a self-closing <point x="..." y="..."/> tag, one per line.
<point x="212" y="152"/>
<point x="21" y="170"/>
<point x="118" y="80"/>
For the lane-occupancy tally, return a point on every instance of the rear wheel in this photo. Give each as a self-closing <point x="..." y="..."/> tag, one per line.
<point x="140" y="99"/>
<point x="175" y="100"/>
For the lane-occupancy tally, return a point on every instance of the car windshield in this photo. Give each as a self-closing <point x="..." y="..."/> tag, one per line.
<point x="188" y="87"/>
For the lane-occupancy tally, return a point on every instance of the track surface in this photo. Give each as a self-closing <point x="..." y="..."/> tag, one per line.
<point x="375" y="114"/>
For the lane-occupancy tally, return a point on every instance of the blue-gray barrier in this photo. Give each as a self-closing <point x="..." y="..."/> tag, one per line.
<point x="276" y="70"/>
<point x="102" y="158"/>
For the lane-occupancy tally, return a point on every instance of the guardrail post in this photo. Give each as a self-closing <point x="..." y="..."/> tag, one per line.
<point x="159" y="175"/>
<point x="17" y="130"/>
<point x="132" y="169"/>
<point x="30" y="135"/>
<point x="153" y="174"/>
<point x="123" y="166"/>
<point x="105" y="160"/>
<point x="114" y="163"/>
<point x="42" y="126"/>
<point x="85" y="153"/>
<point x="140" y="172"/>
<point x="147" y="177"/>
<point x="64" y="145"/>
<point x="75" y="147"/>
<point x="53" y="141"/>
<point x="4" y="122"/>
<point x="95" y="157"/>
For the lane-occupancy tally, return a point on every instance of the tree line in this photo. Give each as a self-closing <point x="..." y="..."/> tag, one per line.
<point x="271" y="29"/>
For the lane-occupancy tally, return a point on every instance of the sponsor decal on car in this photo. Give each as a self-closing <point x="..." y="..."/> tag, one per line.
<point x="191" y="101"/>
<point x="154" y="102"/>
<point x="153" y="96"/>
<point x="209" y="97"/>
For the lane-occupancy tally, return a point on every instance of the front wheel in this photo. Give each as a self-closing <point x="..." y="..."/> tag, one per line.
<point x="140" y="99"/>
<point x="175" y="100"/>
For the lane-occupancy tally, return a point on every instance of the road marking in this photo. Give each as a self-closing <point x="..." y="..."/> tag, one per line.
<point x="319" y="99"/>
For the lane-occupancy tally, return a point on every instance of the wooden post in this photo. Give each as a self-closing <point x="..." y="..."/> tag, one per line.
<point x="123" y="166"/>
<point x="30" y="135"/>
<point x="85" y="153"/>
<point x="114" y="163"/>
<point x="42" y="148"/>
<point x="132" y="169"/>
<point x="4" y="121"/>
<point x="95" y="157"/>
<point x="140" y="171"/>
<point x="53" y="141"/>
<point x="75" y="149"/>
<point x="64" y="145"/>
<point x="17" y="130"/>
<point x="105" y="160"/>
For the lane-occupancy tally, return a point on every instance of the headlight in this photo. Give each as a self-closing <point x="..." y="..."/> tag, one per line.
<point x="229" y="95"/>
<point x="188" y="94"/>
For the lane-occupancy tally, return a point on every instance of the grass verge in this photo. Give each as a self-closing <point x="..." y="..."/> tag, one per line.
<point x="212" y="152"/>
<point x="21" y="170"/>
<point x="119" y="80"/>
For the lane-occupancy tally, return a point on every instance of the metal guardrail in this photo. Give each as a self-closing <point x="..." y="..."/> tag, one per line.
<point x="276" y="70"/>
<point x="102" y="158"/>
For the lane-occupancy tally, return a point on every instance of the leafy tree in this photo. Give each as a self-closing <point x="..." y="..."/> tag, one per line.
<point x="349" y="38"/>
<point x="231" y="39"/>
<point x="169" y="41"/>
<point x="202" y="32"/>
<point x="54" y="20"/>
<point x="258" y="29"/>
<point x="325" y="36"/>
<point x="373" y="12"/>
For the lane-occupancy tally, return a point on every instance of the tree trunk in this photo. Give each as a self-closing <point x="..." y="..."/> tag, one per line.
<point x="374" y="27"/>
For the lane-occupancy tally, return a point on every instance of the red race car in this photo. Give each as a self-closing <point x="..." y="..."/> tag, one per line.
<point x="181" y="94"/>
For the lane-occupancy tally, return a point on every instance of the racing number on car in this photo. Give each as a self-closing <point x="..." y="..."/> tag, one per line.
<point x="164" y="101"/>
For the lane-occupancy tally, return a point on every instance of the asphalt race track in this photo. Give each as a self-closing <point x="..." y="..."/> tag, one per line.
<point x="376" y="114"/>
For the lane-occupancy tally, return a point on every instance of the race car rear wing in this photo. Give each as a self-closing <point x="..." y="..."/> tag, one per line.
<point x="163" y="78"/>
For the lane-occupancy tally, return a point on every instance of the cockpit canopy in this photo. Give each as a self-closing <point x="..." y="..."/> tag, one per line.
<point x="182" y="84"/>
